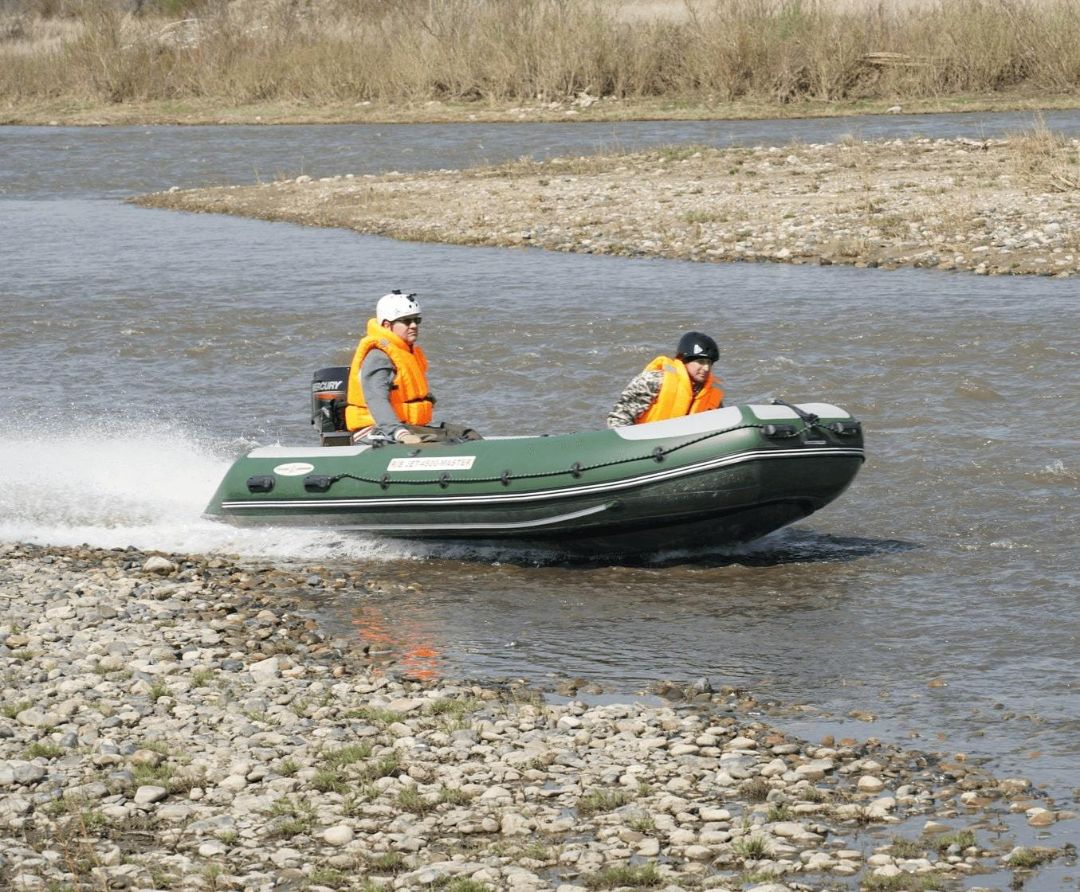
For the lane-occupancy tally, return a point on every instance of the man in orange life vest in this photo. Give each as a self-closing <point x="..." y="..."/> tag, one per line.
<point x="668" y="388"/>
<point x="388" y="387"/>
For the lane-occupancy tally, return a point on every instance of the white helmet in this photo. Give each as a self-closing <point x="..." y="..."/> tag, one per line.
<point x="394" y="305"/>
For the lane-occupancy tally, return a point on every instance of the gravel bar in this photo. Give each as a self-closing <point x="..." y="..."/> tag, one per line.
<point x="179" y="722"/>
<point x="992" y="206"/>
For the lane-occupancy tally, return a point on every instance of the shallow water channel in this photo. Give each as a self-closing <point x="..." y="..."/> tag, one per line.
<point x="935" y="602"/>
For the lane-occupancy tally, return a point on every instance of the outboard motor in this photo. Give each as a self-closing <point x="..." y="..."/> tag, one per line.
<point x="328" y="401"/>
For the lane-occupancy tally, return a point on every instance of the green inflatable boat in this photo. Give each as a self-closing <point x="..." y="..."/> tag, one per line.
<point x="715" y="478"/>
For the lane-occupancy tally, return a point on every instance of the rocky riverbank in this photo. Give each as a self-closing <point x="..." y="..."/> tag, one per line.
<point x="994" y="206"/>
<point x="177" y="723"/>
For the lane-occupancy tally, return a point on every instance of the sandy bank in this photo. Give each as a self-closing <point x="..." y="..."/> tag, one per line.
<point x="585" y="108"/>
<point x="995" y="206"/>
<point x="173" y="722"/>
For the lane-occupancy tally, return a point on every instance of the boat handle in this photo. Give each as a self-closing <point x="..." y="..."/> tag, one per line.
<point x="779" y="431"/>
<point x="260" y="483"/>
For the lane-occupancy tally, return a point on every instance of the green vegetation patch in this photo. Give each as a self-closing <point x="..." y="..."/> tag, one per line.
<point x="347" y="755"/>
<point x="373" y="715"/>
<point x="410" y="799"/>
<point x="330" y="780"/>
<point x="292" y="817"/>
<point x="777" y="813"/>
<point x="602" y="801"/>
<point x="642" y="823"/>
<point x="328" y="876"/>
<point x="962" y="839"/>
<point x="455" y="708"/>
<point x="459" y="884"/>
<point x="43" y="750"/>
<point x="201" y="678"/>
<point x="453" y="796"/>
<point x="644" y="876"/>
<point x="384" y="766"/>
<point x="751" y="848"/>
<point x="1026" y="858"/>
<point x="756" y="789"/>
<point x="905" y="882"/>
<point x="10" y="710"/>
<point x="390" y="862"/>
<point x="907" y="848"/>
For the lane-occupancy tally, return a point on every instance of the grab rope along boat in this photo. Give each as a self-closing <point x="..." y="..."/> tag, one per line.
<point x="725" y="476"/>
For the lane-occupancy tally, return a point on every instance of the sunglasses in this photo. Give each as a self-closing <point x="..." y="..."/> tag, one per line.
<point x="408" y="320"/>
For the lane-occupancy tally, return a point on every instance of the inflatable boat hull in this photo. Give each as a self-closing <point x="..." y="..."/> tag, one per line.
<point x="726" y="476"/>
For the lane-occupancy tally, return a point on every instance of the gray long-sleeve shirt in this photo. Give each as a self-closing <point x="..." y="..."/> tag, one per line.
<point x="377" y="375"/>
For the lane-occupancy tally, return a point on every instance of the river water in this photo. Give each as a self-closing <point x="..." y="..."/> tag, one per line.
<point x="141" y="350"/>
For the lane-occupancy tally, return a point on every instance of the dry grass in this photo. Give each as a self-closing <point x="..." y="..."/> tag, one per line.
<point x="1045" y="160"/>
<point x="351" y="52"/>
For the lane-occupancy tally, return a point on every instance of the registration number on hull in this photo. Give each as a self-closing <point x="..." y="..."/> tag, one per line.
<point x="445" y="463"/>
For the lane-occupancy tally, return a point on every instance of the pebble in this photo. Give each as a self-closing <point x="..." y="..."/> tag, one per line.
<point x="178" y="735"/>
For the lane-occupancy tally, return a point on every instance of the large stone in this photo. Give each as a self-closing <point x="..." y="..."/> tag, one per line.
<point x="234" y="783"/>
<point x="38" y="718"/>
<point x="514" y="824"/>
<point x="815" y="769"/>
<point x="151" y="758"/>
<point x="497" y="795"/>
<point x="265" y="671"/>
<point x="175" y="812"/>
<point x="149" y="794"/>
<point x="17" y="772"/>
<point x="793" y="830"/>
<point x="649" y="847"/>
<point x="1040" y="817"/>
<point x="338" y="835"/>
<point x="159" y="565"/>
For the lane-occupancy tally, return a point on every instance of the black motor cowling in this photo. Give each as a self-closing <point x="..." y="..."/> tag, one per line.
<point x="328" y="399"/>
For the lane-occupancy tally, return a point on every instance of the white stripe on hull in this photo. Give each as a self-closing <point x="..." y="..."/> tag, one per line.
<point x="458" y="527"/>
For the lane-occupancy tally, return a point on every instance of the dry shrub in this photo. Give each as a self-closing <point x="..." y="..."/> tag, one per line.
<point x="1045" y="160"/>
<point x="112" y="69"/>
<point x="988" y="45"/>
<point x="1056" y="33"/>
<point x="520" y="50"/>
<point x="40" y="9"/>
<point x="978" y="45"/>
<point x="339" y="51"/>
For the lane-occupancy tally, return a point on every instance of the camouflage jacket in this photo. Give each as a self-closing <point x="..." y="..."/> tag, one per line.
<point x="638" y="395"/>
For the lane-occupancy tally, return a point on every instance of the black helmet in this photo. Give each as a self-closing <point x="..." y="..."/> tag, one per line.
<point x="694" y="343"/>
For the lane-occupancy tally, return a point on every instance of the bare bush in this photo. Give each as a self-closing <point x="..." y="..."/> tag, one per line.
<point x="1046" y="160"/>
<point x="401" y="51"/>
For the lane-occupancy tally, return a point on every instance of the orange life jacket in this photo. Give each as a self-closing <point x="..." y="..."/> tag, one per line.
<point x="677" y="395"/>
<point x="410" y="397"/>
